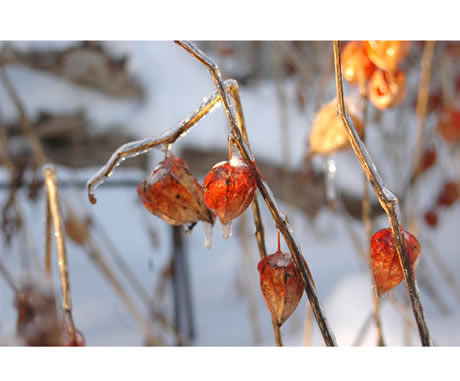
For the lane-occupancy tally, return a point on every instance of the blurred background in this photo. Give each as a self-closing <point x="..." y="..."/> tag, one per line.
<point x="135" y="280"/>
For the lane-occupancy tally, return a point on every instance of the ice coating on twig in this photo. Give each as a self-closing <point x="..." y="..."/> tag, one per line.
<point x="208" y="240"/>
<point x="139" y="147"/>
<point x="226" y="229"/>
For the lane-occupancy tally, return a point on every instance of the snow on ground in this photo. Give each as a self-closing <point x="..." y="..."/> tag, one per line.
<point x="175" y="83"/>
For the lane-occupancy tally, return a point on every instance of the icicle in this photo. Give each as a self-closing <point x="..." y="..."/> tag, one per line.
<point x="226" y="229"/>
<point x="208" y="241"/>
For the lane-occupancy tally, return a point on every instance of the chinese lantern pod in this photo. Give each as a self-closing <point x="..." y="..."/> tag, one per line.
<point x="281" y="285"/>
<point x="449" y="124"/>
<point x="173" y="194"/>
<point x="387" y="55"/>
<point x="387" y="89"/>
<point x="228" y="190"/>
<point x="354" y="58"/>
<point x="386" y="267"/>
<point x="328" y="134"/>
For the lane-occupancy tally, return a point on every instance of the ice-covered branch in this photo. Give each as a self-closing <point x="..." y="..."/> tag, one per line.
<point x="278" y="216"/>
<point x="387" y="200"/>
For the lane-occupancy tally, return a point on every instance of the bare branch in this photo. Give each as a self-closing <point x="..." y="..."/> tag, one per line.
<point x="387" y="200"/>
<point x="55" y="213"/>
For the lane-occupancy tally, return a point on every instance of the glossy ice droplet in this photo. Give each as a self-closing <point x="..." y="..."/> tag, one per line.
<point x="208" y="241"/>
<point x="226" y="229"/>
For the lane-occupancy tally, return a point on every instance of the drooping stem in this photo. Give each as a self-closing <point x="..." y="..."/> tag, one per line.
<point x="367" y="221"/>
<point x="278" y="217"/>
<point x="387" y="200"/>
<point x="133" y="149"/>
<point x="53" y="204"/>
<point x="260" y="230"/>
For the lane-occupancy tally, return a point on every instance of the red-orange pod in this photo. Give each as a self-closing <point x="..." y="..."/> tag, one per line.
<point x="173" y="194"/>
<point x="387" y="89"/>
<point x="386" y="267"/>
<point x="228" y="190"/>
<point x="281" y="285"/>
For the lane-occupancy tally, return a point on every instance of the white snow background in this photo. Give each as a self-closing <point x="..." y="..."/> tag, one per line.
<point x="175" y="84"/>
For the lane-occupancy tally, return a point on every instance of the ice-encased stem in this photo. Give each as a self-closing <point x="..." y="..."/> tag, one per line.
<point x="54" y="215"/>
<point x="266" y="193"/>
<point x="387" y="200"/>
<point x="139" y="147"/>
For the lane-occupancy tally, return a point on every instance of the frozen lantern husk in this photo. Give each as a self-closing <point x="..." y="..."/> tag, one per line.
<point x="228" y="190"/>
<point x="173" y="194"/>
<point x="281" y="285"/>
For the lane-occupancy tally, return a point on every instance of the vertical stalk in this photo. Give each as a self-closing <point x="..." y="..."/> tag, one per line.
<point x="53" y="210"/>
<point x="260" y="230"/>
<point x="387" y="200"/>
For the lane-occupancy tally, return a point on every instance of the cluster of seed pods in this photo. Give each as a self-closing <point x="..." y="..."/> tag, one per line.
<point x="172" y="193"/>
<point x="376" y="63"/>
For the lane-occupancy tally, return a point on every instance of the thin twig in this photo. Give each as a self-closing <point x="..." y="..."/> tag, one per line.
<point x="387" y="200"/>
<point x="278" y="216"/>
<point x="260" y="230"/>
<point x="367" y="221"/>
<point x="53" y="205"/>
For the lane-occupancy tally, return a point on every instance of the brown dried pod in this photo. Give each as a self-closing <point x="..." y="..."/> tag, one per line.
<point x="281" y="285"/>
<point x="38" y="323"/>
<point x="328" y="133"/>
<point x="173" y="194"/>
<point x="387" y="89"/>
